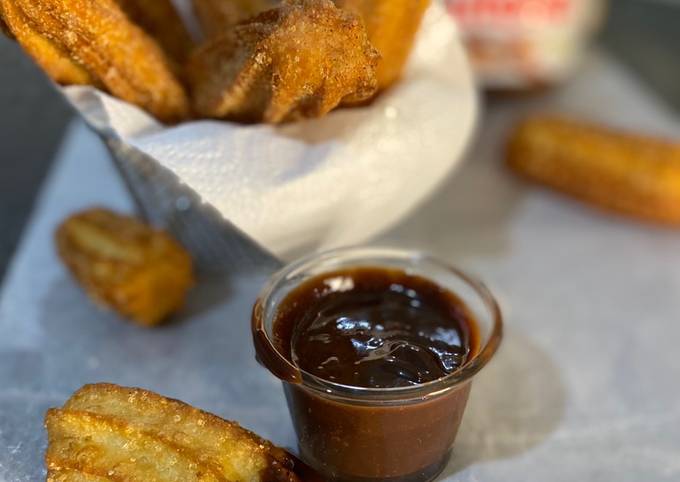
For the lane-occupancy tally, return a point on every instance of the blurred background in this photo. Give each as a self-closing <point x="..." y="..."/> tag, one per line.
<point x="642" y="34"/>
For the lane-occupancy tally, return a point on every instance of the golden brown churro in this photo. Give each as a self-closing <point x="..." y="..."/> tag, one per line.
<point x="56" y="63"/>
<point x="110" y="432"/>
<point x="392" y="26"/>
<point x="617" y="171"/>
<point x="299" y="60"/>
<point x="123" y="264"/>
<point x="122" y="57"/>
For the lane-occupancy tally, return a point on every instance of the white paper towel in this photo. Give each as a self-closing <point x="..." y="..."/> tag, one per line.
<point x="325" y="182"/>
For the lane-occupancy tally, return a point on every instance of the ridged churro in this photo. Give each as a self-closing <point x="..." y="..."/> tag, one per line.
<point x="108" y="432"/>
<point x="120" y="56"/>
<point x="631" y="174"/>
<point x="392" y="26"/>
<point x="299" y="60"/>
<point x="125" y="265"/>
<point x="55" y="62"/>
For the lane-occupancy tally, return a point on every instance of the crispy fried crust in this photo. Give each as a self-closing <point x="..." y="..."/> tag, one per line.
<point x="217" y="16"/>
<point x="632" y="175"/>
<point x="100" y="37"/>
<point x="160" y="19"/>
<point x="107" y="446"/>
<point x="299" y="60"/>
<point x="71" y="475"/>
<point x="392" y="26"/>
<point x="46" y="54"/>
<point x="136" y="435"/>
<point x="123" y="264"/>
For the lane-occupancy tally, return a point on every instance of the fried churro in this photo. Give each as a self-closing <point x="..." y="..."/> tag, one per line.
<point x="108" y="432"/>
<point x="299" y="60"/>
<point x="630" y="174"/>
<point x="55" y="62"/>
<point x="97" y="35"/>
<point x="392" y="26"/>
<point x="125" y="265"/>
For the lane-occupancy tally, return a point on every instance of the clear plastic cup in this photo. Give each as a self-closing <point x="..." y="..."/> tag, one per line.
<point x="352" y="433"/>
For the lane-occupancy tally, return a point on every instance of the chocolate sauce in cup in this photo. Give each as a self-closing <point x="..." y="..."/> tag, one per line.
<point x="376" y="349"/>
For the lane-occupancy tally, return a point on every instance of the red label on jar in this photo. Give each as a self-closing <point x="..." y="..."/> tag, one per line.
<point x="543" y="11"/>
<point x="519" y="43"/>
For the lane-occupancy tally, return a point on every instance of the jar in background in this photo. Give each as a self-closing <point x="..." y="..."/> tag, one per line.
<point x="525" y="44"/>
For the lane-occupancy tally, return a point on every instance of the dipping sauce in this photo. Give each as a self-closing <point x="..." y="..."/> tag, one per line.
<point x="375" y="328"/>
<point x="379" y="328"/>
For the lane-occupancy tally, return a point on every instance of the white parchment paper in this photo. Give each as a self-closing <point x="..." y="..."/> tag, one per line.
<point x="324" y="182"/>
